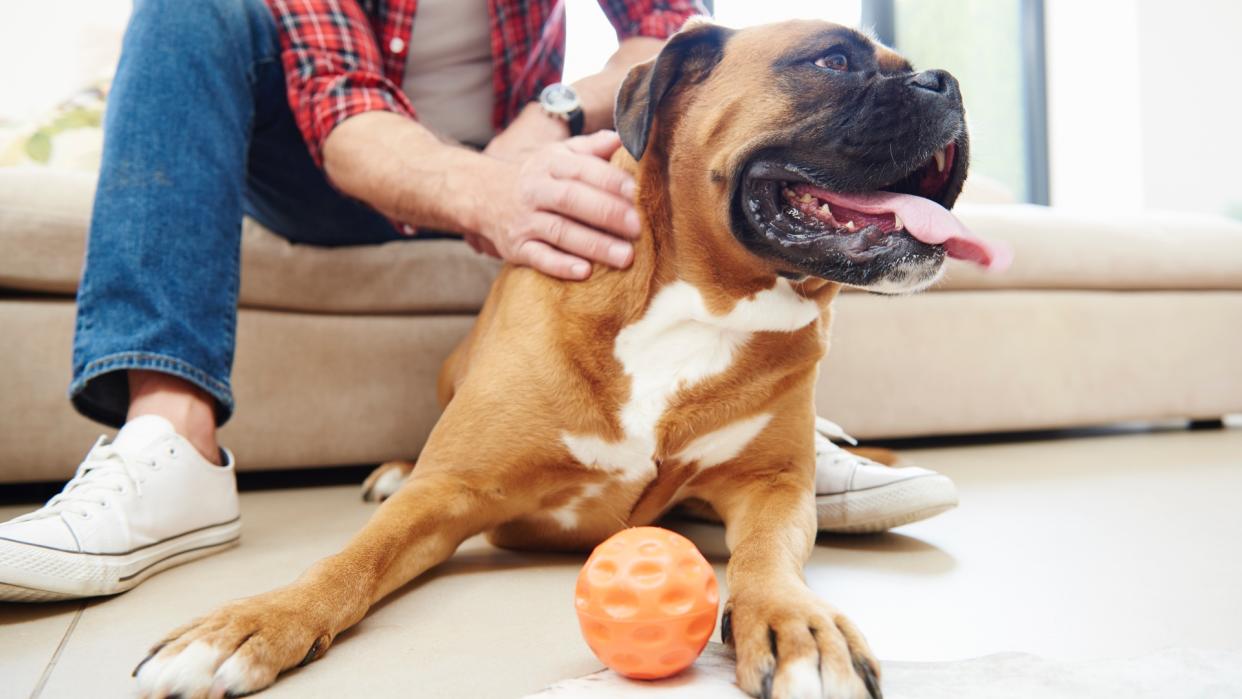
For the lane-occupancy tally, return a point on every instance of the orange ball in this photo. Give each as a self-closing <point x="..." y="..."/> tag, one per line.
<point x="647" y="602"/>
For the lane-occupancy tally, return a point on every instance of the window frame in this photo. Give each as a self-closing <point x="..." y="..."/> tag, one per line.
<point x="880" y="17"/>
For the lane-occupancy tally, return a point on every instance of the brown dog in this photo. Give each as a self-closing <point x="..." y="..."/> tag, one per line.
<point x="576" y="409"/>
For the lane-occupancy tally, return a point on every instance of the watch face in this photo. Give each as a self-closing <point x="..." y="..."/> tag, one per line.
<point x="559" y="98"/>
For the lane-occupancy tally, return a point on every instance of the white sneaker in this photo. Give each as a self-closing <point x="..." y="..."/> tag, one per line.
<point x="145" y="502"/>
<point x="855" y="495"/>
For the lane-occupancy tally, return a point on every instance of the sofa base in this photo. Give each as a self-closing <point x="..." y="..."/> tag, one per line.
<point x="963" y="362"/>
<point x="318" y="390"/>
<point x="311" y="390"/>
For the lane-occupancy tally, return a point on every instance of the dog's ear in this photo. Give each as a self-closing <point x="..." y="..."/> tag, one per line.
<point x="689" y="56"/>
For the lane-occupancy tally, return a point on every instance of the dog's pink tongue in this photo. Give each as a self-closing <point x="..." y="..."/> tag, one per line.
<point x="929" y="222"/>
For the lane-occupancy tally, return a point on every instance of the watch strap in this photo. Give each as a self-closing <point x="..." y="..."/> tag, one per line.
<point x="576" y="120"/>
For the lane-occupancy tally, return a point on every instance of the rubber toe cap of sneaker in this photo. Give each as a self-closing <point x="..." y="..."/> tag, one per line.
<point x="46" y="532"/>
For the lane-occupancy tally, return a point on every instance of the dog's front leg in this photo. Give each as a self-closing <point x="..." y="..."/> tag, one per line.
<point x="241" y="647"/>
<point x="789" y="642"/>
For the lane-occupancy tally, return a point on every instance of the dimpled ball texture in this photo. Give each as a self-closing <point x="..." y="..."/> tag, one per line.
<point x="647" y="602"/>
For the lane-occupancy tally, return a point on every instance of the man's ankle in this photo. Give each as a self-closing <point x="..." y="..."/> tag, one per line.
<point x="190" y="409"/>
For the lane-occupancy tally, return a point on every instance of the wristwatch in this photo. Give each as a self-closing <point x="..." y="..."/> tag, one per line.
<point x="561" y="101"/>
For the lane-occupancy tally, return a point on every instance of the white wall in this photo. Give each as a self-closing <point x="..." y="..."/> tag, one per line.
<point x="1144" y="104"/>
<point x="1190" y="63"/>
<point x="590" y="39"/>
<point x="51" y="48"/>
<point x="1094" y="124"/>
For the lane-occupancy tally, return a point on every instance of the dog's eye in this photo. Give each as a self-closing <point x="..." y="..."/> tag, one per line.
<point x="834" y="61"/>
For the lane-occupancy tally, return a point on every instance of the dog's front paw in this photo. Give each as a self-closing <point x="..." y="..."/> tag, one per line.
<point x="791" y="645"/>
<point x="385" y="480"/>
<point x="238" y="649"/>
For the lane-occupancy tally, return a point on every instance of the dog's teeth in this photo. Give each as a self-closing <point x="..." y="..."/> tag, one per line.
<point x="939" y="156"/>
<point x="824" y="209"/>
<point x="806" y="198"/>
<point x="897" y="224"/>
<point x="849" y="226"/>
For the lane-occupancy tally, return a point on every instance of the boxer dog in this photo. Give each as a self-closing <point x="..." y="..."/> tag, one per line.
<point x="774" y="165"/>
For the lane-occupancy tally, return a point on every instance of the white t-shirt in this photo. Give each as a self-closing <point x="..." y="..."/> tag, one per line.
<point x="448" y="70"/>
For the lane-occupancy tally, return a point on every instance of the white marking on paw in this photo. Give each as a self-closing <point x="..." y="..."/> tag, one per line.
<point x="800" y="680"/>
<point x="724" y="444"/>
<point x="847" y="687"/>
<point x="678" y="343"/>
<point x="147" y="674"/>
<point x="238" y="676"/>
<point x="388" y="483"/>
<point x="189" y="672"/>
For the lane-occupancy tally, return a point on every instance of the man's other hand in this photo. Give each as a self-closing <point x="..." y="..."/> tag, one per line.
<point x="565" y="207"/>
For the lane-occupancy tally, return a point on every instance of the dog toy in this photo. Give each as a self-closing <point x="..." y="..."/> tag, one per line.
<point x="647" y="602"/>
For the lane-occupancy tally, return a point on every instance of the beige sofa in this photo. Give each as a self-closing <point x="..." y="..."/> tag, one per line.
<point x="1104" y="317"/>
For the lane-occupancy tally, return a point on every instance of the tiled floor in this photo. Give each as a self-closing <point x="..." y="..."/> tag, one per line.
<point x="1071" y="548"/>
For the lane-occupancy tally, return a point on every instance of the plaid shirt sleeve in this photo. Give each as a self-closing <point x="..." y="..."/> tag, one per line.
<point x="657" y="19"/>
<point x="333" y="67"/>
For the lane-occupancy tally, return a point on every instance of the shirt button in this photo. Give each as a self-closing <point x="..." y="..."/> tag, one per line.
<point x="397" y="45"/>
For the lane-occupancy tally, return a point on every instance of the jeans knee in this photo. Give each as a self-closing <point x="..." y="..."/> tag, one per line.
<point x="220" y="25"/>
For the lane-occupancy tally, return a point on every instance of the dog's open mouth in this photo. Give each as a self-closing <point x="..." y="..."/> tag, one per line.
<point x="810" y="202"/>
<point x="788" y="204"/>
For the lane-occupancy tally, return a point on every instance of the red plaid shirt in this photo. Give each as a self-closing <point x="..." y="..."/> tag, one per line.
<point x="345" y="57"/>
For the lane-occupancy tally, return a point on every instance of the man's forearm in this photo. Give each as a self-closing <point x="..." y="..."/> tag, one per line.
<point x="599" y="91"/>
<point x="405" y="172"/>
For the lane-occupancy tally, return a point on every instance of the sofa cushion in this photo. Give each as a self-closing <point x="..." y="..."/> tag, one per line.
<point x="1072" y="249"/>
<point x="44" y="215"/>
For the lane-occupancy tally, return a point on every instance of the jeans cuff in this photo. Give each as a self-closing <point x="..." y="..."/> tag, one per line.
<point x="100" y="391"/>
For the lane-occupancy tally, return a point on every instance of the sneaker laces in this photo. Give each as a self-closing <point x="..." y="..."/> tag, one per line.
<point x="103" y="471"/>
<point x="826" y="431"/>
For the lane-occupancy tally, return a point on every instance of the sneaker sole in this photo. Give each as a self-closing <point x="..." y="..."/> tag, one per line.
<point x="36" y="574"/>
<point x="885" y="507"/>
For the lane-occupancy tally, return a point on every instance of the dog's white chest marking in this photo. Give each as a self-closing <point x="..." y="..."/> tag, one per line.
<point x="676" y="344"/>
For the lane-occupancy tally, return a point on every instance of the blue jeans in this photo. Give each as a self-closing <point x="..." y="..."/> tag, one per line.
<point x="198" y="131"/>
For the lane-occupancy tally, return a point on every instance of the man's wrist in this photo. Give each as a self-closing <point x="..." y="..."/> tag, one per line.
<point x="597" y="102"/>
<point x="481" y="193"/>
<point x="551" y="127"/>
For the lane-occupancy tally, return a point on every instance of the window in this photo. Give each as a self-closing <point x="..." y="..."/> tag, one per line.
<point x="995" y="49"/>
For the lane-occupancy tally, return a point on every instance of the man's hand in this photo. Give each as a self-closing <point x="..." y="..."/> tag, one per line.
<point x="561" y="207"/>
<point x="554" y="207"/>
<point x="531" y="129"/>
<point x="564" y="206"/>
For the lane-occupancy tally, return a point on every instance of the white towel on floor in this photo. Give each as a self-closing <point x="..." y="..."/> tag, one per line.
<point x="1175" y="673"/>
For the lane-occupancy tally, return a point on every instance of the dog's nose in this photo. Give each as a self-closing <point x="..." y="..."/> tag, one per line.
<point x="939" y="81"/>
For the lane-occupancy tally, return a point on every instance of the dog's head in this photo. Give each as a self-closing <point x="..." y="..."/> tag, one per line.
<point x="821" y="152"/>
